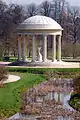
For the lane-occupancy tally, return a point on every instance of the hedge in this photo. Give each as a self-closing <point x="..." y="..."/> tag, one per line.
<point x="42" y="70"/>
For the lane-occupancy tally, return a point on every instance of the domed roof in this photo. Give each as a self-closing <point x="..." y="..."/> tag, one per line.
<point x="39" y="22"/>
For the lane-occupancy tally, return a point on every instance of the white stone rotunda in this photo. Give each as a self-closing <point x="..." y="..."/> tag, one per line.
<point x="40" y="25"/>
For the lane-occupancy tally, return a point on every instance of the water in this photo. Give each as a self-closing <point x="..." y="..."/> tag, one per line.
<point x="58" y="90"/>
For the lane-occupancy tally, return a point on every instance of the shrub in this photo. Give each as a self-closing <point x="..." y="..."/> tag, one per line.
<point x="75" y="101"/>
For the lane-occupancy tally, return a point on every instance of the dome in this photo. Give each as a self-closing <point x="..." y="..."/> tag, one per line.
<point x="39" y="22"/>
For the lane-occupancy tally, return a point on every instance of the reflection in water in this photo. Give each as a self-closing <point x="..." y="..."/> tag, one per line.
<point x="62" y="89"/>
<point x="54" y="90"/>
<point x="57" y="90"/>
<point x="57" y="96"/>
<point x="64" y="118"/>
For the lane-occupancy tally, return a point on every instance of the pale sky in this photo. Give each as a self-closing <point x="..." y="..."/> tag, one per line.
<point x="72" y="2"/>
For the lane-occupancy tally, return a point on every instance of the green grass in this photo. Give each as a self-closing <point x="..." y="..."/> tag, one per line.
<point x="10" y="95"/>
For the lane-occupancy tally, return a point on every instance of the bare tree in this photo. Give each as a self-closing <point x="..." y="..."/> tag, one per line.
<point x="45" y="8"/>
<point x="74" y="28"/>
<point x="59" y="9"/>
<point x="31" y="10"/>
<point x="10" y="16"/>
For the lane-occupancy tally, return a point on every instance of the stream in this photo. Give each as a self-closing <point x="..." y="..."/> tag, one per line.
<point x="59" y="91"/>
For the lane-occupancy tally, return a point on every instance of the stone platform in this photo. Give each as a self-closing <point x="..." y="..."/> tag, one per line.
<point x="49" y="64"/>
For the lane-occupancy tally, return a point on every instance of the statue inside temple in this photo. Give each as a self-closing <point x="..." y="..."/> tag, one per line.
<point x="39" y="56"/>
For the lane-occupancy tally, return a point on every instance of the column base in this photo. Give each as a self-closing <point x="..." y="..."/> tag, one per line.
<point x="33" y="61"/>
<point x="18" y="60"/>
<point x="60" y="60"/>
<point x="45" y="60"/>
<point x="24" y="59"/>
<point x="54" y="60"/>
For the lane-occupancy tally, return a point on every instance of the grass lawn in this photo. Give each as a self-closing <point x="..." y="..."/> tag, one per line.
<point x="10" y="95"/>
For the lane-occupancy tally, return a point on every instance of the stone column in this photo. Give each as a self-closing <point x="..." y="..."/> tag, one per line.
<point x="19" y="48"/>
<point x="33" y="48"/>
<point x="45" y="49"/>
<point x="54" y="49"/>
<point x="59" y="48"/>
<point x="24" y="48"/>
